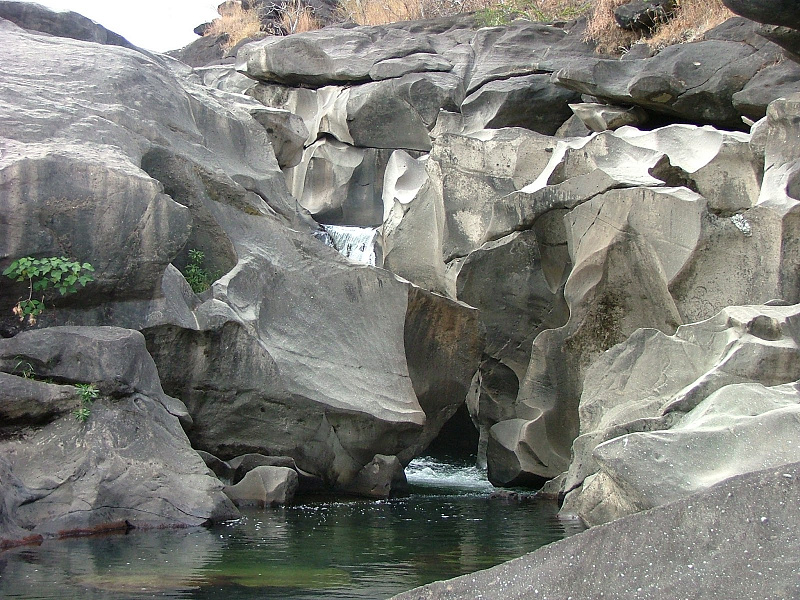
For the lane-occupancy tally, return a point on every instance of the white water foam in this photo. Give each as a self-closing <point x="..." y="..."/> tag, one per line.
<point x="356" y="243"/>
<point x="426" y="472"/>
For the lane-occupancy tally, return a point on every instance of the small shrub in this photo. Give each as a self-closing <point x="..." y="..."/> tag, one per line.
<point x="88" y="394"/>
<point x="196" y="276"/>
<point x="54" y="272"/>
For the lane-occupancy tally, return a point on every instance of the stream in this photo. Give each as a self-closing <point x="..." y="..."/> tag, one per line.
<point x="358" y="549"/>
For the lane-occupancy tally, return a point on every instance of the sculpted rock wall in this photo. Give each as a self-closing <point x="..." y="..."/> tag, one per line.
<point x="294" y="351"/>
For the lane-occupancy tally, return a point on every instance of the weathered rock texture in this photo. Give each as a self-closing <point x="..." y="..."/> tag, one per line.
<point x="128" y="465"/>
<point x="665" y="416"/>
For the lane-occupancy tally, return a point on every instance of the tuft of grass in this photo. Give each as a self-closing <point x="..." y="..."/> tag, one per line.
<point x="236" y="24"/>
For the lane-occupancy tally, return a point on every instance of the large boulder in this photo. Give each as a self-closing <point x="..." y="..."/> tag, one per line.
<point x="776" y="12"/>
<point x="695" y="81"/>
<point x="730" y="541"/>
<point x="665" y="416"/>
<point x="67" y="24"/>
<point x="127" y="464"/>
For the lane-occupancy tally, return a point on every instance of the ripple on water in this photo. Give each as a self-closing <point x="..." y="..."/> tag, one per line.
<point x="357" y="550"/>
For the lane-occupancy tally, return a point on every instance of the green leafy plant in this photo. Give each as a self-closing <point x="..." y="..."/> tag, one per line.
<point x="198" y="278"/>
<point x="88" y="393"/>
<point x="42" y="274"/>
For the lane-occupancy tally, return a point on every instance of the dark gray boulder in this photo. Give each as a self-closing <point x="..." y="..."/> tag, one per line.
<point x="529" y="101"/>
<point x="774" y="12"/>
<point x="643" y="15"/>
<point x="735" y="540"/>
<point x="695" y="81"/>
<point x="127" y="464"/>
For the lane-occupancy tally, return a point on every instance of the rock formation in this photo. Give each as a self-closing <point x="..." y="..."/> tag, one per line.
<point x="294" y="351"/>
<point x="599" y="299"/>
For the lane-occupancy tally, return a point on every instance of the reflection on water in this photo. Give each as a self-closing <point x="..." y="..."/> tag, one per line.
<point x="348" y="550"/>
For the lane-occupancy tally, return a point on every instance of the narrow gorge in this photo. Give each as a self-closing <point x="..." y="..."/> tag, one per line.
<point x="585" y="267"/>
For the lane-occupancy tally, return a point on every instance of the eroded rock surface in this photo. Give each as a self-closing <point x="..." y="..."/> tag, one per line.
<point x="129" y="464"/>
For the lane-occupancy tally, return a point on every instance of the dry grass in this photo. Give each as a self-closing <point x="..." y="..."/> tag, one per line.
<point x="237" y="24"/>
<point x="692" y="18"/>
<point x="490" y="12"/>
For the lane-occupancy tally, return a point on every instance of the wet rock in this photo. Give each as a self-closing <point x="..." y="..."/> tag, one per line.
<point x="380" y="478"/>
<point x="242" y="465"/>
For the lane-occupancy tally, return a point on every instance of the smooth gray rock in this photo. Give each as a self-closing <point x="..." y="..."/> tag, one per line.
<point x="120" y="364"/>
<point x="67" y="24"/>
<point x="524" y="48"/>
<point x="286" y="131"/>
<point x="773" y="82"/>
<point x="649" y="383"/>
<point x="264" y="486"/>
<point x="399" y="113"/>
<point x="380" y="478"/>
<point x="242" y="465"/>
<point x="159" y="162"/>
<point x="413" y="63"/>
<point x="776" y="12"/>
<point x="328" y="56"/>
<point x="340" y="184"/>
<point x="746" y="524"/>
<point x="529" y="101"/>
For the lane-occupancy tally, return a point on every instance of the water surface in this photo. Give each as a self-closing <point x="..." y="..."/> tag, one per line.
<point x="353" y="550"/>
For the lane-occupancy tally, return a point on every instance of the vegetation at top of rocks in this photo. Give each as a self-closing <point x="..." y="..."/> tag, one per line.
<point x="198" y="278"/>
<point x="689" y="20"/>
<point x="88" y="394"/>
<point x="505" y="11"/>
<point x="24" y="368"/>
<point x="237" y="23"/>
<point x="43" y="274"/>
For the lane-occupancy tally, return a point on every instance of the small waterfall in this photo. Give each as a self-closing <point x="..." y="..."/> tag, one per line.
<point x="356" y="243"/>
<point x="427" y="472"/>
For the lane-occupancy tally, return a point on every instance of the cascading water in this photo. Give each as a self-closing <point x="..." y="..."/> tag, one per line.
<point x="356" y="243"/>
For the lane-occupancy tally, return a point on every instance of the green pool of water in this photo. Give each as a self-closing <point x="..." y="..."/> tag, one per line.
<point x="353" y="550"/>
